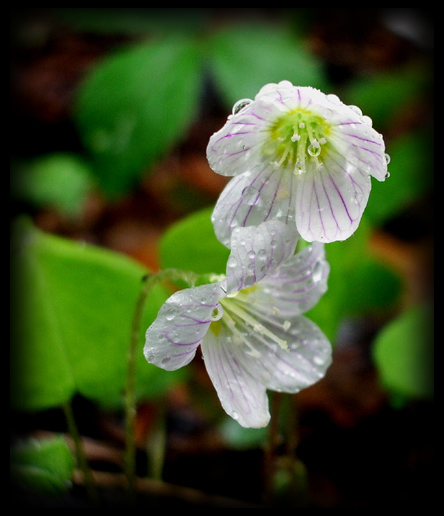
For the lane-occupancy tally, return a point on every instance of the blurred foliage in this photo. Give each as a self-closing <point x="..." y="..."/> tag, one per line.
<point x="138" y="103"/>
<point x="73" y="306"/>
<point x="135" y="105"/>
<point x="403" y="352"/>
<point x="44" y="466"/>
<point x="60" y="180"/>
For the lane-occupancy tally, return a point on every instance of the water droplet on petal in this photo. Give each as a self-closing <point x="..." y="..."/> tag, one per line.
<point x="317" y="272"/>
<point x="318" y="360"/>
<point x="217" y="314"/>
<point x="356" y="109"/>
<point x="170" y="314"/>
<point x="166" y="360"/>
<point x="334" y="99"/>
<point x="366" y="120"/>
<point x="235" y="415"/>
<point x="240" y="104"/>
<point x="251" y="254"/>
<point x="250" y="195"/>
<point x="314" y="149"/>
<point x="232" y="261"/>
<point x="387" y="158"/>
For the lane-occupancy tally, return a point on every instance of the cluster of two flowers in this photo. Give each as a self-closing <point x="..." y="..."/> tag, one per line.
<point x="301" y="162"/>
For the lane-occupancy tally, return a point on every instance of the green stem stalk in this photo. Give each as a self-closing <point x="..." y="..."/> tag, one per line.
<point x="149" y="283"/>
<point x="80" y="455"/>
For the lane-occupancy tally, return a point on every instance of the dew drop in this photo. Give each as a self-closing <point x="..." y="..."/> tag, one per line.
<point x="314" y="149"/>
<point x="356" y="109"/>
<point x="235" y="415"/>
<point x="387" y="175"/>
<point x="262" y="253"/>
<point x="387" y="158"/>
<point x="232" y="261"/>
<point x="170" y="314"/>
<point x="150" y="358"/>
<point x="251" y="254"/>
<point x="317" y="272"/>
<point x="366" y="120"/>
<point x="334" y="99"/>
<point x="166" y="360"/>
<point x="318" y="360"/>
<point x="217" y="314"/>
<point x="240" y="104"/>
<point x="250" y="195"/>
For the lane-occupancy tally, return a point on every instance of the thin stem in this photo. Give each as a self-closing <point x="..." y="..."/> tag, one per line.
<point x="270" y="447"/>
<point x="149" y="282"/>
<point x="155" y="448"/>
<point x="80" y="455"/>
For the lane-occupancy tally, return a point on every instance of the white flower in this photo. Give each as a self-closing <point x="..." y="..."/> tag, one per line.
<point x="249" y="324"/>
<point x="299" y="156"/>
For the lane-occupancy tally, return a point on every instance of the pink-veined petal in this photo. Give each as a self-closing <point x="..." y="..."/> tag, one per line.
<point x="330" y="200"/>
<point x="242" y="396"/>
<point x="257" y="251"/>
<point x="288" y="370"/>
<point x="180" y="326"/>
<point x="264" y="193"/>
<point x="296" y="286"/>
<point x="233" y="148"/>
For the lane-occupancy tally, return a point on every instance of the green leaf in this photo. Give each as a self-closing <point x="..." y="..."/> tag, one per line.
<point x="59" y="180"/>
<point x="411" y="176"/>
<point x="358" y="284"/>
<point x="191" y="244"/>
<point x="383" y="96"/>
<point x="135" y="106"/>
<point x="403" y="353"/>
<point x="244" y="58"/>
<point x="45" y="466"/>
<point x="73" y="308"/>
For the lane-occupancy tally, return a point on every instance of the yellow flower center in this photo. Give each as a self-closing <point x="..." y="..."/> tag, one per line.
<point x="297" y="137"/>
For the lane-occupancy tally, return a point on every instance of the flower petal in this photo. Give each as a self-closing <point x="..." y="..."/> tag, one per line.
<point x="181" y="324"/>
<point x="231" y="150"/>
<point x="296" y="286"/>
<point x="288" y="370"/>
<point x="263" y="193"/>
<point x="330" y="200"/>
<point x="257" y="251"/>
<point x="243" y="397"/>
<point x="362" y="146"/>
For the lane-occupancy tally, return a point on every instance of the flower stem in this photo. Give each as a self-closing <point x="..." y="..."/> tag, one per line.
<point x="270" y="447"/>
<point x="80" y="455"/>
<point x="149" y="282"/>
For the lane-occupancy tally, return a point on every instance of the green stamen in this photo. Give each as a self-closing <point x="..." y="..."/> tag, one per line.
<point x="295" y="138"/>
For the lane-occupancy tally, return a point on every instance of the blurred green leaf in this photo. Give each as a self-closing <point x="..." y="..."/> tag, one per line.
<point x="135" y="105"/>
<point x="73" y="306"/>
<point x="411" y="176"/>
<point x="241" y="438"/>
<point x="403" y="353"/>
<point x="191" y="244"/>
<point x="358" y="284"/>
<point x="45" y="466"/>
<point x="243" y="58"/>
<point x="59" y="180"/>
<point x="383" y="96"/>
